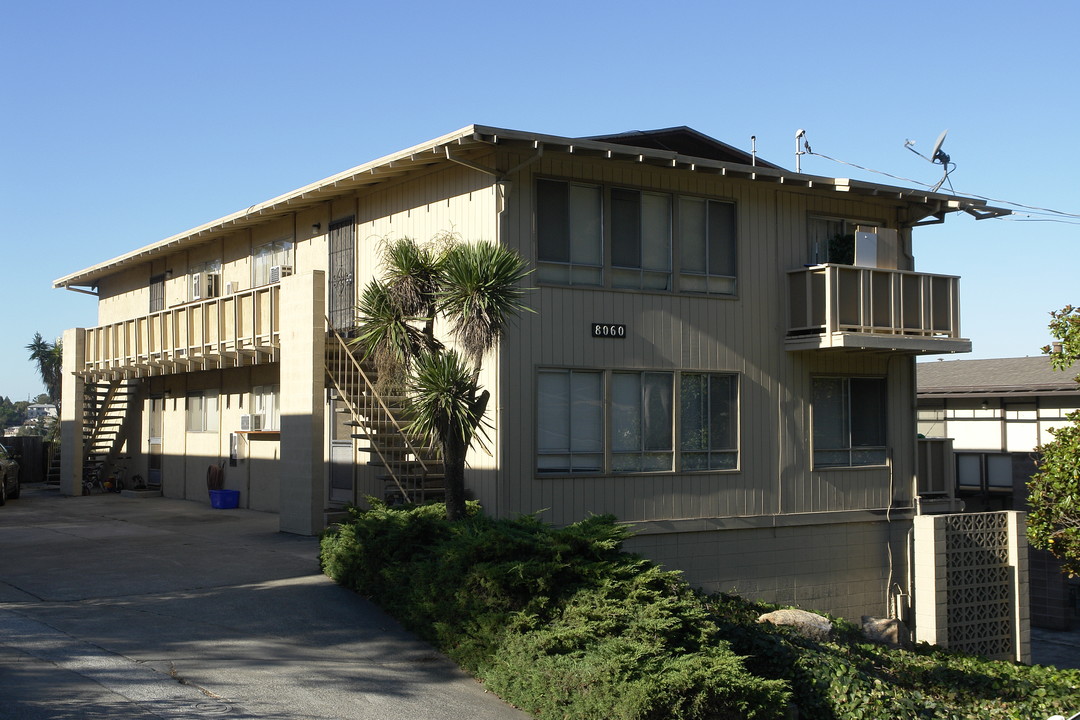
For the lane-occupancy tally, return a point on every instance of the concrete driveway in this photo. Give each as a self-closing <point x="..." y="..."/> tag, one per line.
<point x="156" y="608"/>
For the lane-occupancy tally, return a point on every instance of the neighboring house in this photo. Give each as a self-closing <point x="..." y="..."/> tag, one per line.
<point x="997" y="412"/>
<point x="40" y="410"/>
<point x="722" y="354"/>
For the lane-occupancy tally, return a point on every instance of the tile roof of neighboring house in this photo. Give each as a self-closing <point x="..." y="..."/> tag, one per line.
<point x="1026" y="376"/>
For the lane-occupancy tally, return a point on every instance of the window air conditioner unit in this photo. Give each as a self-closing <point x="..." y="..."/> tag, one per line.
<point x="251" y="422"/>
<point x="205" y="285"/>
<point x="279" y="271"/>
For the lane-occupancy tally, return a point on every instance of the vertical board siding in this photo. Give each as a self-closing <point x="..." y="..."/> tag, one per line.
<point x="669" y="331"/>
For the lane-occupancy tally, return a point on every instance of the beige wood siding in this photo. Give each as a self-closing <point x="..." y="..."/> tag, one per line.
<point x="683" y="332"/>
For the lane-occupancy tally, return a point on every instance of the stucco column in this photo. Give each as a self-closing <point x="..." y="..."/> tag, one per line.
<point x="71" y="412"/>
<point x="303" y="370"/>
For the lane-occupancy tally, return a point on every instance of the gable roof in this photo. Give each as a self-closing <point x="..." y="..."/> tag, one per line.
<point x="685" y="141"/>
<point x="1023" y="377"/>
<point x="669" y="148"/>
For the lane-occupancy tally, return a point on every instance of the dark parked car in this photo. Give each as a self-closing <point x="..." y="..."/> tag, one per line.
<point x="9" y="476"/>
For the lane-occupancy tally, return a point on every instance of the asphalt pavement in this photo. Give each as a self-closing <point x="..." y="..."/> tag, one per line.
<point x="158" y="608"/>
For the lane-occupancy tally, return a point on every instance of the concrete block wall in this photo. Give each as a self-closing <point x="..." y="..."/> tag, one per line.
<point x="842" y="569"/>
<point x="971" y="581"/>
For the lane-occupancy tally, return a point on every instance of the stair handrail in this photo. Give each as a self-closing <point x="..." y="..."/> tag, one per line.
<point x="342" y="348"/>
<point x="101" y="408"/>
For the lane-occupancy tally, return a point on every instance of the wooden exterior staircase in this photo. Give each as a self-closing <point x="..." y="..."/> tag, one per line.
<point x="107" y="418"/>
<point x="410" y="471"/>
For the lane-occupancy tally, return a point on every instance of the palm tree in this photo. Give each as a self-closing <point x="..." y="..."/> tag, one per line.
<point x="50" y="360"/>
<point x="476" y="289"/>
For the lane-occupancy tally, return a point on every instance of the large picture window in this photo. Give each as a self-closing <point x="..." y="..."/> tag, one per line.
<point x="643" y="413"/>
<point x="849" y="421"/>
<point x="569" y="233"/>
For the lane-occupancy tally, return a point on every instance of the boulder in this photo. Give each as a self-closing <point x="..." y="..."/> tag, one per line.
<point x="887" y="631"/>
<point x="808" y="624"/>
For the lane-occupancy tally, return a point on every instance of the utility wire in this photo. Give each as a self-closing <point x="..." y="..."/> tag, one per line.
<point x="1033" y="208"/>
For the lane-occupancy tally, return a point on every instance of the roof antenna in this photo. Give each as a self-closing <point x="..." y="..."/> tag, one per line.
<point x="753" y="150"/>
<point x="937" y="156"/>
<point x="799" y="135"/>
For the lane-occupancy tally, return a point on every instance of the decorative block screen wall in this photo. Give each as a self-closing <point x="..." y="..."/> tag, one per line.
<point x="971" y="583"/>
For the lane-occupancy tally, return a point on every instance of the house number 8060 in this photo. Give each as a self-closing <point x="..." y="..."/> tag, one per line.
<point x="608" y="330"/>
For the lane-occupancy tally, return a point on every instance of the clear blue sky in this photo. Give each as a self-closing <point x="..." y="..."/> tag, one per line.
<point x="126" y="122"/>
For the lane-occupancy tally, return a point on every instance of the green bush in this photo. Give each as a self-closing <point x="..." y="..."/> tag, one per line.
<point x="562" y="623"/>
<point x="848" y="678"/>
<point x="558" y="622"/>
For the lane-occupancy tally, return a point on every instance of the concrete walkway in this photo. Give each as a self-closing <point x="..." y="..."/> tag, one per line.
<point x="156" y="608"/>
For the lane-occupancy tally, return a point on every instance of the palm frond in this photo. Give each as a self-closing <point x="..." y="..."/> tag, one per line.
<point x="444" y="399"/>
<point x="480" y="293"/>
<point x="387" y="336"/>
<point x="411" y="274"/>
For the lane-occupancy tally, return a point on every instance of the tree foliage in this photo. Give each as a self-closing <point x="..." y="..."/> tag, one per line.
<point x="49" y="357"/>
<point x="1054" y="491"/>
<point x="472" y="289"/>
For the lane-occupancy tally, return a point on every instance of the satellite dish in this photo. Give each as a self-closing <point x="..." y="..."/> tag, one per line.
<point x="937" y="155"/>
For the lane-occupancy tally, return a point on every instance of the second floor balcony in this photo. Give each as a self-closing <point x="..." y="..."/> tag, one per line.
<point x="236" y="329"/>
<point x="863" y="308"/>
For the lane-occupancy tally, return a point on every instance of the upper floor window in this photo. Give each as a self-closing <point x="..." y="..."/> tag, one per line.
<point x="157" y="293"/>
<point x="707" y="246"/>
<point x="271" y="262"/>
<point x="204" y="280"/>
<point x="640" y="240"/>
<point x="641" y="227"/>
<point x="849" y="421"/>
<point x="848" y="242"/>
<point x="569" y="233"/>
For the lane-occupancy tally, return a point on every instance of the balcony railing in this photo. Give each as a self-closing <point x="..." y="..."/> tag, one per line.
<point x="237" y="329"/>
<point x="841" y="306"/>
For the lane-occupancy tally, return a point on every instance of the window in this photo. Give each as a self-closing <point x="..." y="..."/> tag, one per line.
<point x="641" y="421"/>
<point x="569" y="233"/>
<point x="570" y="422"/>
<point x="202" y="412"/>
<point x="572" y="220"/>
<point x="707" y="246"/>
<point x="640" y="240"/>
<point x="157" y="293"/>
<point x="849" y="421"/>
<point x="264" y="402"/>
<point x="638" y="409"/>
<point x="708" y="430"/>
<point x="204" y="280"/>
<point x="843" y="242"/>
<point x="271" y="262"/>
<point x="984" y="472"/>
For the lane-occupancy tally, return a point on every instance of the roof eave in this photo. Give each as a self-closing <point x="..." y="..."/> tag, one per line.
<point x="435" y="151"/>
